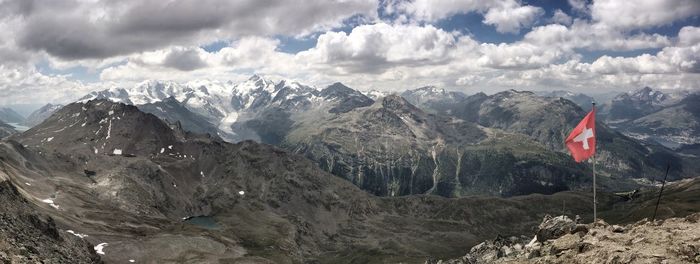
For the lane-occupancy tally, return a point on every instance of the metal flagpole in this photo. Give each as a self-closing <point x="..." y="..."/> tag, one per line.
<point x="595" y="202"/>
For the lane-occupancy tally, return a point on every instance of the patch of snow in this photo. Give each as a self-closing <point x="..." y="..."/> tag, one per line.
<point x="50" y="202"/>
<point x="77" y="234"/>
<point x="109" y="130"/>
<point x="83" y="124"/>
<point x="170" y="147"/>
<point x="241" y="192"/>
<point x="28" y="184"/>
<point x="201" y="173"/>
<point x="117" y="152"/>
<point x="96" y="151"/>
<point x="132" y="261"/>
<point x="111" y="112"/>
<point x="162" y="150"/>
<point x="49" y="139"/>
<point x="100" y="248"/>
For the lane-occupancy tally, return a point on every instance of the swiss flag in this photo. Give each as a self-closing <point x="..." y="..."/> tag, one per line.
<point x="581" y="141"/>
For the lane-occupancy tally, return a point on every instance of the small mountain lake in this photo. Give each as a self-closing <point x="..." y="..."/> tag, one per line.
<point x="206" y="222"/>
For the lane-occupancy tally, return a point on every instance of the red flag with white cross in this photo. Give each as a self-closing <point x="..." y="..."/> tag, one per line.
<point x="581" y="141"/>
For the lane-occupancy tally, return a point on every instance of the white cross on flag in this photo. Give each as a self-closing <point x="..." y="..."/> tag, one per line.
<point x="581" y="141"/>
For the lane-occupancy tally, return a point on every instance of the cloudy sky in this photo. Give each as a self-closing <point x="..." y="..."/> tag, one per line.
<point x="58" y="50"/>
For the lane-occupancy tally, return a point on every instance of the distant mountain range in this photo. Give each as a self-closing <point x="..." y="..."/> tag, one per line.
<point x="666" y="117"/>
<point x="8" y="115"/>
<point x="672" y="118"/>
<point x="426" y="140"/>
<point x="40" y="114"/>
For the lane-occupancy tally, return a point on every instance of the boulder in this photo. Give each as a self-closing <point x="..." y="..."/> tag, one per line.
<point x="555" y="227"/>
<point x="566" y="242"/>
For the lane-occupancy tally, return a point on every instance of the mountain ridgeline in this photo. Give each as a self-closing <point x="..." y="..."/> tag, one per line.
<point x="426" y="141"/>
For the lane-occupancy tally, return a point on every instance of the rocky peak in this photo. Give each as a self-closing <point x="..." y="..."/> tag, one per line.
<point x="634" y="104"/>
<point x="337" y="90"/>
<point x="402" y="108"/>
<point x="395" y="102"/>
<point x="346" y="97"/>
<point x="644" y="95"/>
<point x="101" y="127"/>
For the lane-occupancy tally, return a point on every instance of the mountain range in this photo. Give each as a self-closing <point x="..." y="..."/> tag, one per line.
<point x="667" y="117"/>
<point x="422" y="141"/>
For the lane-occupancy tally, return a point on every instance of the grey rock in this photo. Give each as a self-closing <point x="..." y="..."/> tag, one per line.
<point x="554" y="227"/>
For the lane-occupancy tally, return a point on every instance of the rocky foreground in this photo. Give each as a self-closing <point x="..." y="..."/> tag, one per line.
<point x="562" y="240"/>
<point x="29" y="237"/>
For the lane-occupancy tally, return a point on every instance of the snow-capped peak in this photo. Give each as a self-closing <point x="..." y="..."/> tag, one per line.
<point x="375" y="94"/>
<point x="429" y="90"/>
<point x="253" y="84"/>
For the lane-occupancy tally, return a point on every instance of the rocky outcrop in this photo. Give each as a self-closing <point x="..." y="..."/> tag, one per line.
<point x="28" y="237"/>
<point x="673" y="240"/>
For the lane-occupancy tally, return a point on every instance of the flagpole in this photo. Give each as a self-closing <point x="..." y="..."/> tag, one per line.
<point x="595" y="202"/>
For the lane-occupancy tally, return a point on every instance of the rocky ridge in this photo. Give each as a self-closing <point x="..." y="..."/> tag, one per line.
<point x="562" y="240"/>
